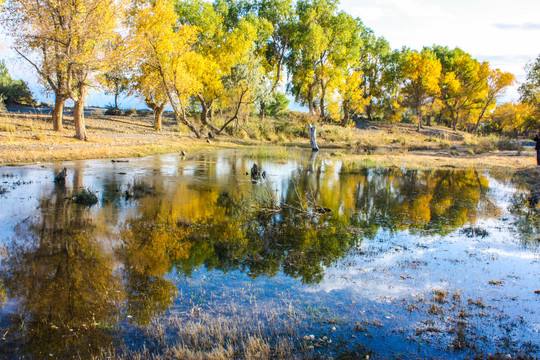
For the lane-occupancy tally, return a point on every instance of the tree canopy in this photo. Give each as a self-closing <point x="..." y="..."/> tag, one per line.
<point x="233" y="56"/>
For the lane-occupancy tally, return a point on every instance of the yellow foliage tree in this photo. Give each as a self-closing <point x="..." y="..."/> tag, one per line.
<point x="147" y="83"/>
<point x="422" y="72"/>
<point x="463" y="83"/>
<point x="497" y="81"/>
<point x="514" y="118"/>
<point x="66" y="42"/>
<point x="167" y="50"/>
<point x="222" y="45"/>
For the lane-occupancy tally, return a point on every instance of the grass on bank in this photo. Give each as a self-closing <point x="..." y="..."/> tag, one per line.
<point x="29" y="138"/>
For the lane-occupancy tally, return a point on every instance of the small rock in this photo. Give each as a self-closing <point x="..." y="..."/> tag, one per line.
<point x="537" y="292"/>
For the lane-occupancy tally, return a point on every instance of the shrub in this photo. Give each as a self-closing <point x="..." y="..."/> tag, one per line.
<point x="14" y="92"/>
<point x="85" y="197"/>
<point x="17" y="93"/>
<point x="111" y="110"/>
<point x="277" y="105"/>
<point x="486" y="144"/>
<point x="2" y="106"/>
<point x="129" y="112"/>
<point x="505" y="143"/>
<point x="144" y="112"/>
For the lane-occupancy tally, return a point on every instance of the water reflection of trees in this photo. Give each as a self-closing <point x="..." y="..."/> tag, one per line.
<point x="527" y="219"/>
<point x="64" y="284"/>
<point x="70" y="289"/>
<point x="222" y="228"/>
<point x="433" y="201"/>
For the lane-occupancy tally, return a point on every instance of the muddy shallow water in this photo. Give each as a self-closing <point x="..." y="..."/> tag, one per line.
<point x="343" y="261"/>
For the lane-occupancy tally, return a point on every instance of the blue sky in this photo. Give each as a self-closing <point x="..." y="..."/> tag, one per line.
<point x="505" y="33"/>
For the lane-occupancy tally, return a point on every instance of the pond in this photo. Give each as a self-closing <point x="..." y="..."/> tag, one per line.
<point x="192" y="257"/>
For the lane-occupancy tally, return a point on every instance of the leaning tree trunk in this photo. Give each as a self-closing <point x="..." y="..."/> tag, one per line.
<point x="204" y="114"/>
<point x="181" y="117"/>
<point x="78" y="115"/>
<point x="158" y="112"/>
<point x="58" y="111"/>
<point x="312" y="137"/>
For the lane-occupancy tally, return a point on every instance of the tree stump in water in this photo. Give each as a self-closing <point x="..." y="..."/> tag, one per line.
<point x="312" y="137"/>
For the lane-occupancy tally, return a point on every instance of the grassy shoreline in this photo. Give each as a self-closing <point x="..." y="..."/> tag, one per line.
<point x="29" y="139"/>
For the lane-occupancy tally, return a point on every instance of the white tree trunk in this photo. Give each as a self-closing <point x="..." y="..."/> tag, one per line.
<point x="312" y="137"/>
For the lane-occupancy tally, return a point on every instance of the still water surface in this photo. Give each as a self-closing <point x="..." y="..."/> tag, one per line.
<point x="378" y="261"/>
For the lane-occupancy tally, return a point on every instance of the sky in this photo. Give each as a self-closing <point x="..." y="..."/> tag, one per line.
<point x="504" y="33"/>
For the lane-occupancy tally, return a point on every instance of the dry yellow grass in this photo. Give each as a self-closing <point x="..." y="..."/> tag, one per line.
<point x="29" y="139"/>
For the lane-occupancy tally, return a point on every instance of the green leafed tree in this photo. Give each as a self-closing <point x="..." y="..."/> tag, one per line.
<point x="323" y="44"/>
<point x="530" y="90"/>
<point x="13" y="92"/>
<point x="280" y="14"/>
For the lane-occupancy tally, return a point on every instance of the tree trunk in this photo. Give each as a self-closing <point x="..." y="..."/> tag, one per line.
<point x="183" y="118"/>
<point x="477" y="125"/>
<point x="235" y="117"/>
<point x="158" y="112"/>
<point x="321" y="104"/>
<point x="78" y="114"/>
<point x="368" y="111"/>
<point x="116" y="98"/>
<point x="204" y="114"/>
<point x="312" y="137"/>
<point x="262" y="110"/>
<point x="346" y="117"/>
<point x="419" y="117"/>
<point x="58" y="111"/>
<point x="310" y="101"/>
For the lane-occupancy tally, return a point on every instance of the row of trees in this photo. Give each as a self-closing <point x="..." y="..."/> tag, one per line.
<point x="237" y="54"/>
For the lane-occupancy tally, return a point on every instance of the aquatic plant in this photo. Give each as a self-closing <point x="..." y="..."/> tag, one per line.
<point x="85" y="197"/>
